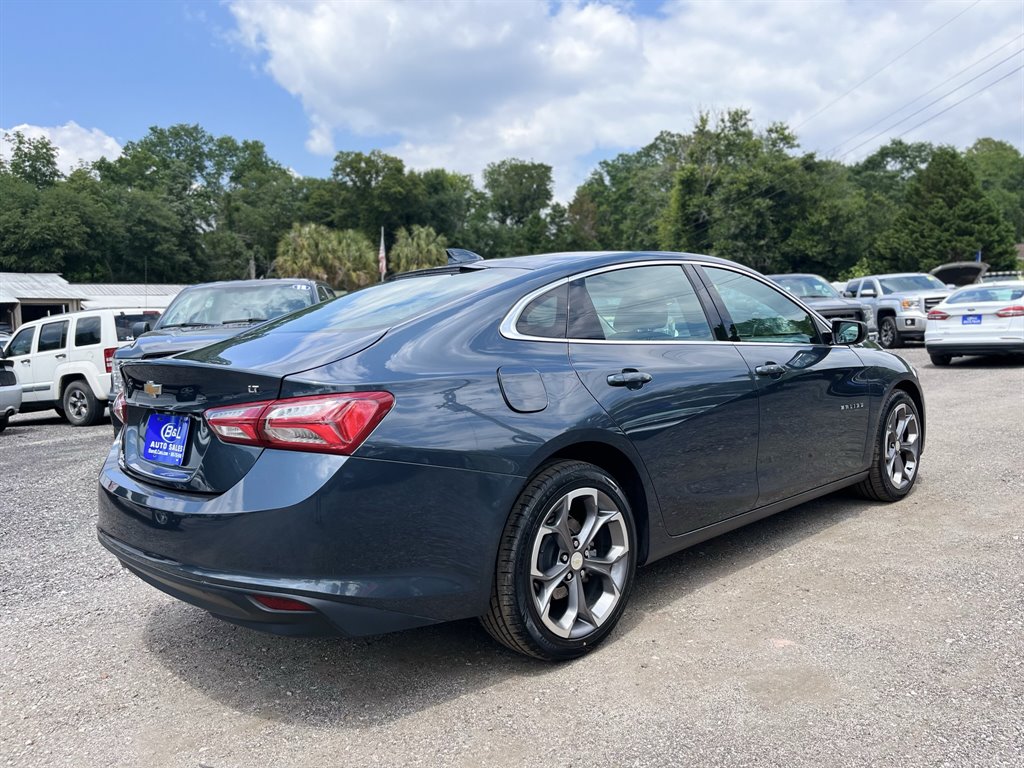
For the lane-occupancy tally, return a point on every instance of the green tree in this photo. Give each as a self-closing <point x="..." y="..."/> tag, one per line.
<point x="345" y="258"/>
<point x="946" y="217"/>
<point x="32" y="160"/>
<point x="999" y="168"/>
<point x="518" y="190"/>
<point x="417" y="248"/>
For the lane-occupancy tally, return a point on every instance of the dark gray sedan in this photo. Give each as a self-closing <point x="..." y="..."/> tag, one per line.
<point x="508" y="439"/>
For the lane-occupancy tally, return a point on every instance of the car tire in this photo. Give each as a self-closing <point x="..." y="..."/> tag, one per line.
<point x="888" y="334"/>
<point x="81" y="408"/>
<point x="4" y="421"/>
<point x="941" y="360"/>
<point x="565" y="565"/>
<point x="896" y="458"/>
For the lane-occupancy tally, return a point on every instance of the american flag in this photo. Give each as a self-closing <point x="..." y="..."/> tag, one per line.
<point x="382" y="257"/>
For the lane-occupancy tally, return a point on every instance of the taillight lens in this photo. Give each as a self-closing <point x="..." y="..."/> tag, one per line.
<point x="1014" y="311"/>
<point x="937" y="314"/>
<point x="321" y="423"/>
<point x="120" y="407"/>
<point x="108" y="358"/>
<point x="277" y="603"/>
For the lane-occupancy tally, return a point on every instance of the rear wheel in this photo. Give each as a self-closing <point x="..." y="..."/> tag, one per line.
<point x="897" y="451"/>
<point x="941" y="359"/>
<point x="81" y="408"/>
<point x="565" y="565"/>
<point x="4" y="421"/>
<point x="888" y="334"/>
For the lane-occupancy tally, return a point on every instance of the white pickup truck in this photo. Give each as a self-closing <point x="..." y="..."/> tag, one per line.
<point x="900" y="303"/>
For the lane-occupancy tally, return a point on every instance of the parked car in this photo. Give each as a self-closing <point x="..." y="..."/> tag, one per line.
<point x="956" y="274"/>
<point x="509" y="439"/>
<point x="817" y="293"/>
<point x="63" y="362"/>
<point x="10" y="392"/>
<point x="203" y="314"/>
<point x="900" y="303"/>
<point x="985" y="319"/>
<point x="1003" y="276"/>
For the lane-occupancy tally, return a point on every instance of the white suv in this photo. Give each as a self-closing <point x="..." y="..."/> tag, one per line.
<point x="63" y="362"/>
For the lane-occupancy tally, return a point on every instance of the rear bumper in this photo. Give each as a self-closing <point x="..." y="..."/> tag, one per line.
<point x="373" y="546"/>
<point x="959" y="348"/>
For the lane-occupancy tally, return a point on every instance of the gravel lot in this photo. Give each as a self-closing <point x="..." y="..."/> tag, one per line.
<point x="838" y="633"/>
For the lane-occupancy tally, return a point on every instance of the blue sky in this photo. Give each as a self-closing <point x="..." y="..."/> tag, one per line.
<point x="461" y="84"/>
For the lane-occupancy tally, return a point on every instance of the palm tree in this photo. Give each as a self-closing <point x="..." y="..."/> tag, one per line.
<point x="418" y="248"/>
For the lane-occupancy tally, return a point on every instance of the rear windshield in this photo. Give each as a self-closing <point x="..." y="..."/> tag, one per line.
<point x="999" y="293"/>
<point x="222" y="304"/>
<point x="123" y="323"/>
<point x="910" y="283"/>
<point x="388" y="304"/>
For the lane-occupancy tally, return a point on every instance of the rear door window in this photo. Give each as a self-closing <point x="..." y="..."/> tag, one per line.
<point x="87" y="331"/>
<point x="653" y="303"/>
<point x="545" y="316"/>
<point x="53" y="336"/>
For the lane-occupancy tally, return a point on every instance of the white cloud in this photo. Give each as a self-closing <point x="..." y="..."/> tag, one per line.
<point x="75" y="144"/>
<point x="461" y="84"/>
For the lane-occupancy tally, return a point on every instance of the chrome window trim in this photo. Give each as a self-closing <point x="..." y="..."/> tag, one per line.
<point x="508" y="324"/>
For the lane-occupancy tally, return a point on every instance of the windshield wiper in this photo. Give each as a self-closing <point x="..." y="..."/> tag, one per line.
<point x="245" y="320"/>
<point x="188" y="325"/>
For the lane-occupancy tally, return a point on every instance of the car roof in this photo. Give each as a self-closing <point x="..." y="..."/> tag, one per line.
<point x="798" y="274"/>
<point x="584" y="260"/>
<point x="97" y="311"/>
<point x="253" y="283"/>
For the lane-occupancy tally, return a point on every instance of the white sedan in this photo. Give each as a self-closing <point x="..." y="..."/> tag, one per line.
<point x="977" y="320"/>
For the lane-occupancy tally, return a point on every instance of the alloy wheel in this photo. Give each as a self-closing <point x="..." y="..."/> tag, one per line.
<point x="902" y="446"/>
<point x="77" y="404"/>
<point x="579" y="563"/>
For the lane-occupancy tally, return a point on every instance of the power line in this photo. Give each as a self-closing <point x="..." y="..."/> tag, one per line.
<point x="930" y="104"/>
<point x="886" y="65"/>
<point x="958" y="103"/>
<point x="882" y="119"/>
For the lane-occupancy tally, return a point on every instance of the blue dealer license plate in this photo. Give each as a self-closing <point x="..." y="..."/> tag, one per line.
<point x="971" y="320"/>
<point x="166" y="437"/>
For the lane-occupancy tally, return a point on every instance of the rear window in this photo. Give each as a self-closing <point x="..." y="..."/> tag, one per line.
<point x="388" y="304"/>
<point x="993" y="293"/>
<point x="123" y="323"/>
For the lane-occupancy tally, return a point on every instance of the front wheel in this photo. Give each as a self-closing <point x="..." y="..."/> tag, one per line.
<point x="897" y="454"/>
<point x="888" y="333"/>
<point x="565" y="565"/>
<point x="4" y="421"/>
<point x="81" y="408"/>
<point x="941" y="359"/>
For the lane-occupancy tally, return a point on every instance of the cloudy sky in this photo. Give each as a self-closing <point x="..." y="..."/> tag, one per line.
<point x="458" y="84"/>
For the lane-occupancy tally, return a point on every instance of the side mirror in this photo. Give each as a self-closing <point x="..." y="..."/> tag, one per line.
<point x="849" y="331"/>
<point x="868" y="293"/>
<point x="951" y="286"/>
<point x="140" y="328"/>
<point x="849" y="294"/>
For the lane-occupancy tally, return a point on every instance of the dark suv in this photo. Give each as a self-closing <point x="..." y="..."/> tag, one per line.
<point x="211" y="312"/>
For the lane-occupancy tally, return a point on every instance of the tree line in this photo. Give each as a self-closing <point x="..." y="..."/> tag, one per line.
<point x="181" y="205"/>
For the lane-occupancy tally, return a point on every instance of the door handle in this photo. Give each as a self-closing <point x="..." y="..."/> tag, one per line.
<point x="26" y="362"/>
<point x="769" y="369"/>
<point x="61" y="356"/>
<point x="630" y="378"/>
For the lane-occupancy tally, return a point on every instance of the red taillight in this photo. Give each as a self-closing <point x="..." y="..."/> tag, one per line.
<point x="937" y="314"/>
<point x="1014" y="311"/>
<point x="108" y="358"/>
<point x="322" y="423"/>
<point x="120" y="407"/>
<point x="276" y="603"/>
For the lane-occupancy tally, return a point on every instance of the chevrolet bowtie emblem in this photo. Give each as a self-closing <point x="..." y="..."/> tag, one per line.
<point x="152" y="388"/>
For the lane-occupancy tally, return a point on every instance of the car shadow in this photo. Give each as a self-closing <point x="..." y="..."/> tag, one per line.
<point x="991" y="361"/>
<point x="364" y="682"/>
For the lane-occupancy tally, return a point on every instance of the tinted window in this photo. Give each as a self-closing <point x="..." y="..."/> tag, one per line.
<point x="637" y="304"/>
<point x="325" y="293"/>
<point x="53" y="336"/>
<point x="546" y="315"/>
<point x="852" y="287"/>
<point x="87" y="331"/>
<point x="21" y="344"/>
<point x="759" y="312"/>
<point x="123" y="323"/>
<point x="384" y="305"/>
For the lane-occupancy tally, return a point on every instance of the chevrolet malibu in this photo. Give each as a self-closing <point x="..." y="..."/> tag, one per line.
<point x="506" y="439"/>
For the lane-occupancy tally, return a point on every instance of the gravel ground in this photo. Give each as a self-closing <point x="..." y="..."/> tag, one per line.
<point x="838" y="633"/>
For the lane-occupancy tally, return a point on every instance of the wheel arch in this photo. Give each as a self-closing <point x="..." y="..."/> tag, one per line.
<point x="625" y="468"/>
<point x="67" y="379"/>
<point x="914" y="393"/>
